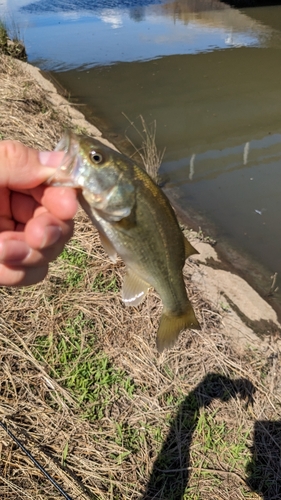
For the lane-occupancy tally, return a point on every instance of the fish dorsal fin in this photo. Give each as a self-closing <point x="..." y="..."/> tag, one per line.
<point x="188" y="248"/>
<point x="108" y="247"/>
<point x="134" y="289"/>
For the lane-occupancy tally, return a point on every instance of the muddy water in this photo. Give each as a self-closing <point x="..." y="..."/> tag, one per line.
<point x="211" y="78"/>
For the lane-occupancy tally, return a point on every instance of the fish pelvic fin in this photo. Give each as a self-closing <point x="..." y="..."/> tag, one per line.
<point x="134" y="289"/>
<point x="189" y="249"/>
<point x="171" y="325"/>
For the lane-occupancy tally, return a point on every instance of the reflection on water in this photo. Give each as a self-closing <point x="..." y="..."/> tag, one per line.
<point x="80" y="5"/>
<point x="212" y="163"/>
<point x="238" y="189"/>
<point x="83" y="33"/>
<point x="210" y="76"/>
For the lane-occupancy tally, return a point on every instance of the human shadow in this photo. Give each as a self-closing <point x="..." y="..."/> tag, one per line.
<point x="264" y="471"/>
<point x="169" y="477"/>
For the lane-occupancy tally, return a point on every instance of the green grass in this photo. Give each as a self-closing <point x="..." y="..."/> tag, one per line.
<point x="217" y="438"/>
<point x="3" y="36"/>
<point x="85" y="372"/>
<point x="103" y="283"/>
<point x="76" y="260"/>
<point x="10" y="40"/>
<point x="217" y="447"/>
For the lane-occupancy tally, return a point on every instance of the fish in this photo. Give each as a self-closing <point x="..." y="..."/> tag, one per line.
<point x="136" y="221"/>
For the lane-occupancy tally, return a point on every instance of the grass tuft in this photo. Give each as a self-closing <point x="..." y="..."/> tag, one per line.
<point x="10" y="41"/>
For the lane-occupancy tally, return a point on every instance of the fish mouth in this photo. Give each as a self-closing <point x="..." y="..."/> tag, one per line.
<point x="66" y="172"/>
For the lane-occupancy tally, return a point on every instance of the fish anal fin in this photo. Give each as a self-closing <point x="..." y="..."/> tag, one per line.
<point x="171" y="325"/>
<point x="189" y="249"/>
<point x="134" y="289"/>
<point x="108" y="247"/>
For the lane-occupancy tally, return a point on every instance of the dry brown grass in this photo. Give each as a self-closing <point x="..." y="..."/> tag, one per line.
<point x="148" y="152"/>
<point x="25" y="113"/>
<point x="84" y="389"/>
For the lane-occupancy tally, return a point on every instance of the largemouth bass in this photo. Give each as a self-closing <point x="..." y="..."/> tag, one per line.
<point x="136" y="221"/>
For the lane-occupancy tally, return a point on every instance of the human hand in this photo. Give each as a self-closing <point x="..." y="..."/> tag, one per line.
<point x="35" y="220"/>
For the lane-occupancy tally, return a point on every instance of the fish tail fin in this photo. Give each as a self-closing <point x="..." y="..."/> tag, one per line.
<point x="171" y="325"/>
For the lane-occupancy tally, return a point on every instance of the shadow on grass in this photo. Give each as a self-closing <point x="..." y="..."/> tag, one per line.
<point x="264" y="471"/>
<point x="169" y="477"/>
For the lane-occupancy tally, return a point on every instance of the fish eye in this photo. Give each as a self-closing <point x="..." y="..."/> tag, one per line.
<point x="96" y="157"/>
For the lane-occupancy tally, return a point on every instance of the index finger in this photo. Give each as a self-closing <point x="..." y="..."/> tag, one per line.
<point x="60" y="201"/>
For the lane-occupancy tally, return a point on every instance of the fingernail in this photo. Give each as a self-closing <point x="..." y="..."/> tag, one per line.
<point x="51" y="158"/>
<point x="51" y="236"/>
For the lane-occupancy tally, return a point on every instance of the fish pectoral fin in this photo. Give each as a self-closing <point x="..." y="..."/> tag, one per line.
<point x="108" y="247"/>
<point x="171" y="325"/>
<point x="134" y="289"/>
<point x="189" y="249"/>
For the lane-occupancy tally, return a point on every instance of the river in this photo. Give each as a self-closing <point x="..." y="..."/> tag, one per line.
<point x="210" y="76"/>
